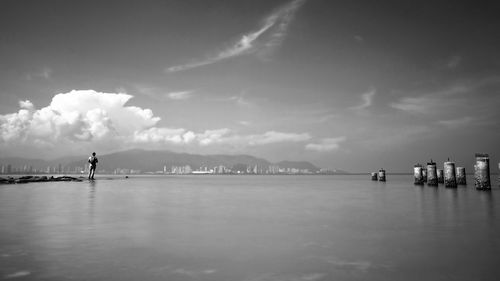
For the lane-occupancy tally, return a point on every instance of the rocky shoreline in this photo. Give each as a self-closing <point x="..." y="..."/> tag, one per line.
<point x="28" y="179"/>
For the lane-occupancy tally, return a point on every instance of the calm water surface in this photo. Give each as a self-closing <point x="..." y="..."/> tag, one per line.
<point x="249" y="228"/>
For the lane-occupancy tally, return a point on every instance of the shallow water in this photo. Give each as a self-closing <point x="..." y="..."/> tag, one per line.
<point x="249" y="228"/>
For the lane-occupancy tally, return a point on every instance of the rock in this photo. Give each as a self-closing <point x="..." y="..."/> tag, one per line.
<point x="28" y="179"/>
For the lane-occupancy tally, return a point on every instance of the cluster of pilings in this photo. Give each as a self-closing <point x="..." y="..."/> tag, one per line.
<point x="380" y="176"/>
<point x="452" y="176"/>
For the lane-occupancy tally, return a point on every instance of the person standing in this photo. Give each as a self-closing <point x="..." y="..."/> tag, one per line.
<point x="92" y="165"/>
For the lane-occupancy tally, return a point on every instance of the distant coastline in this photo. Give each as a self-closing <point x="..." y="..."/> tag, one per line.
<point x="138" y="161"/>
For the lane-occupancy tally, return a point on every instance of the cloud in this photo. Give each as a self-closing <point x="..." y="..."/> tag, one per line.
<point x="367" y="100"/>
<point x="416" y="105"/>
<point x="160" y="95"/>
<point x="275" y="137"/>
<point x="84" y="120"/>
<point x="458" y="122"/>
<point x="326" y="145"/>
<point x="181" y="95"/>
<point x="359" y="38"/>
<point x="240" y="100"/>
<point x="44" y="73"/>
<point x="277" y="25"/>
<point x="26" y="105"/>
<point x="454" y="62"/>
<point x="444" y="99"/>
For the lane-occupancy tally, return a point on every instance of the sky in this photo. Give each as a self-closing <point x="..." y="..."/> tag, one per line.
<point x="352" y="85"/>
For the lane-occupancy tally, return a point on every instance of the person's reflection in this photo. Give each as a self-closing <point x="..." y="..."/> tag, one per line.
<point x="91" y="199"/>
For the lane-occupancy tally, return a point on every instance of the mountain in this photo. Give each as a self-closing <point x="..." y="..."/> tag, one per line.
<point x="155" y="160"/>
<point x="302" y="165"/>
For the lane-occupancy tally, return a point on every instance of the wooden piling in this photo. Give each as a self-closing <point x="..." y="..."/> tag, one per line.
<point x="374" y="176"/>
<point x="432" y="179"/>
<point x="417" y="174"/>
<point x="482" y="171"/>
<point x="440" y="175"/>
<point x="381" y="175"/>
<point x="450" y="178"/>
<point x="461" y="178"/>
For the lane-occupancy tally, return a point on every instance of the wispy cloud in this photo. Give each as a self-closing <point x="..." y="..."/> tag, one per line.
<point x="434" y="101"/>
<point x="277" y="25"/>
<point x="326" y="145"/>
<point x="454" y="62"/>
<point x="240" y="100"/>
<point x="359" y="38"/>
<point x="367" y="100"/>
<point x="43" y="73"/>
<point x="160" y="95"/>
<point x="181" y="95"/>
<point x="458" y="122"/>
<point x="416" y="105"/>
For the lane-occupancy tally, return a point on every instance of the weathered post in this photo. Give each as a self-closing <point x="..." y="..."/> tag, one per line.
<point x="440" y="176"/>
<point x="461" y="179"/>
<point x="424" y="174"/>
<point x="381" y="175"/>
<point x="374" y="176"/>
<point x="450" y="179"/>
<point x="432" y="179"/>
<point x="417" y="173"/>
<point x="482" y="171"/>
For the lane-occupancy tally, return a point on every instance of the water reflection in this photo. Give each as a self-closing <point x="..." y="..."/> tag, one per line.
<point x="247" y="228"/>
<point x="91" y="199"/>
<point x="488" y="200"/>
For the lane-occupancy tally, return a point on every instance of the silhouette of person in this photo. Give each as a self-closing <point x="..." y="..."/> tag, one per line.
<point x="92" y="165"/>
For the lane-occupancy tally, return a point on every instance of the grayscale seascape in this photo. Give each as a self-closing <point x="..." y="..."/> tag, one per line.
<point x="249" y="140"/>
<point x="249" y="228"/>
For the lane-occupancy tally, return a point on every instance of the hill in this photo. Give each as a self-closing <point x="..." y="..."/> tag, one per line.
<point x="155" y="160"/>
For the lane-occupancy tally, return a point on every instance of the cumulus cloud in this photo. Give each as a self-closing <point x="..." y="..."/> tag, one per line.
<point x="275" y="24"/>
<point x="326" y="145"/>
<point x="86" y="119"/>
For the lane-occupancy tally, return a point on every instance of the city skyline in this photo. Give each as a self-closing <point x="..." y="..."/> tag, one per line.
<point x="351" y="85"/>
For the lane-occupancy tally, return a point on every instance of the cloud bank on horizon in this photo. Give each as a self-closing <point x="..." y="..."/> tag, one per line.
<point x="277" y="23"/>
<point x="84" y="120"/>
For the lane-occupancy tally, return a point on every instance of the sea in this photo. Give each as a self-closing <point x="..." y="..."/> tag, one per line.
<point x="248" y="228"/>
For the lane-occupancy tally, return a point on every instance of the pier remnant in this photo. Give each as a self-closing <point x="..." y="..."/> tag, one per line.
<point x="482" y="171"/>
<point x="450" y="178"/>
<point x="461" y="179"/>
<point x="374" y="176"/>
<point x="417" y="173"/>
<point x="440" y="176"/>
<point x="432" y="178"/>
<point x="381" y="175"/>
